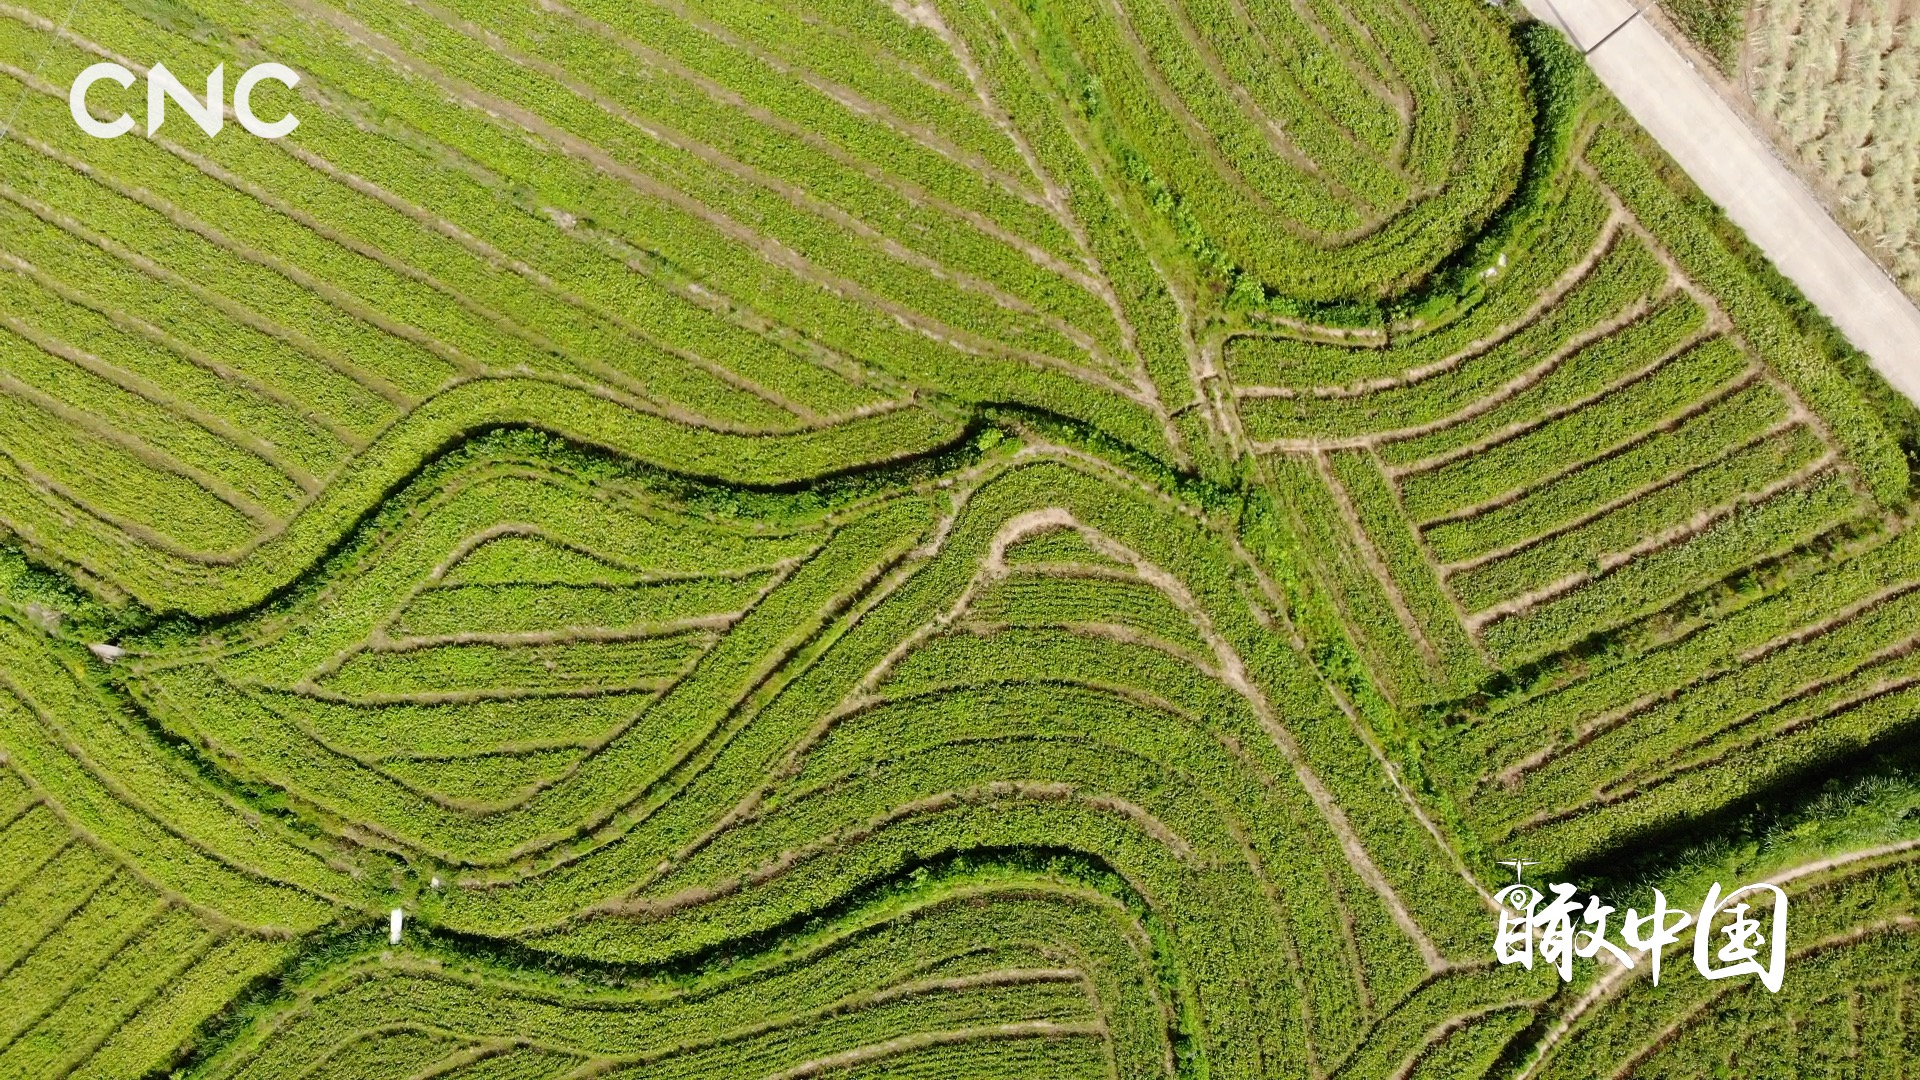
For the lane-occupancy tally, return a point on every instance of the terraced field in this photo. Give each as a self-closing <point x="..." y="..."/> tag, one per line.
<point x="949" y="538"/>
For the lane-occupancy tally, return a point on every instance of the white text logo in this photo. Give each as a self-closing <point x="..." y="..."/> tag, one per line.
<point x="1564" y="929"/>
<point x="161" y="85"/>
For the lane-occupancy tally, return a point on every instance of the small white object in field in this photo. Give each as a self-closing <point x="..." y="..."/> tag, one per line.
<point x="393" y="930"/>
<point x="434" y="884"/>
<point x="106" y="652"/>
<point x="48" y="618"/>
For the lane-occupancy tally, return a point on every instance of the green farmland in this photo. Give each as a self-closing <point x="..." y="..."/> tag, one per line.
<point x="974" y="539"/>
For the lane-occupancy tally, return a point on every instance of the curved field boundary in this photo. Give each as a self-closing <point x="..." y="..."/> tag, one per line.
<point x="171" y="583"/>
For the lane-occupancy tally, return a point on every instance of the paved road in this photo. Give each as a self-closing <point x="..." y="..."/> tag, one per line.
<point x="1737" y="168"/>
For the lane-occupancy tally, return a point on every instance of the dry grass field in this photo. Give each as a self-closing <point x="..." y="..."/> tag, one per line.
<point x="1841" y="84"/>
